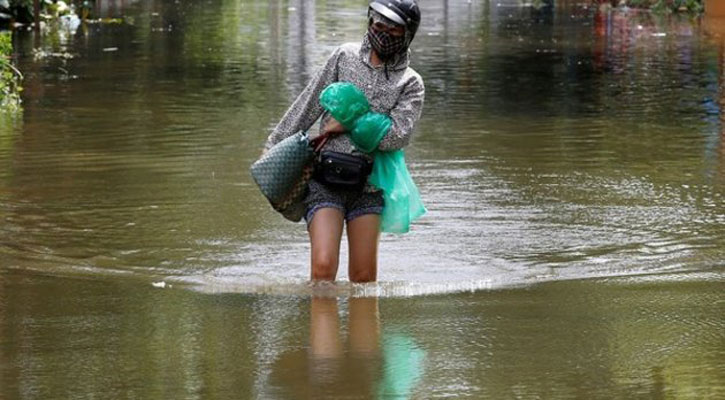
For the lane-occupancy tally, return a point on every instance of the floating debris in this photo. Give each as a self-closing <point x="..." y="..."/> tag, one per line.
<point x="160" y="285"/>
<point x="105" y="21"/>
<point x="167" y="29"/>
<point x="109" y="49"/>
<point x="40" y="54"/>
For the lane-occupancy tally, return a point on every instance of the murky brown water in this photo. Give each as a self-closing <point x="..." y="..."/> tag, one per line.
<point x="655" y="338"/>
<point x="557" y="145"/>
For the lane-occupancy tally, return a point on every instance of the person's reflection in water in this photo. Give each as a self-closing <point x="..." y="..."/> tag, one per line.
<point x="361" y="360"/>
<point x="369" y="365"/>
<point x="329" y="368"/>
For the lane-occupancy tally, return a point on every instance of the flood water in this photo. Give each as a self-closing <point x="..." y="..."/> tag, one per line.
<point x="572" y="160"/>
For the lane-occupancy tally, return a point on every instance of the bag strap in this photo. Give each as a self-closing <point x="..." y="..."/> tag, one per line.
<point x="319" y="142"/>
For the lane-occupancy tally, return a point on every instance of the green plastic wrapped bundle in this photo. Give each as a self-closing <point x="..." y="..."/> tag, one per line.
<point x="403" y="204"/>
<point x="345" y="102"/>
<point x="369" y="130"/>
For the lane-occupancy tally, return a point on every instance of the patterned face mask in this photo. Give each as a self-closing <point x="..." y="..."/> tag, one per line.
<point x="385" y="44"/>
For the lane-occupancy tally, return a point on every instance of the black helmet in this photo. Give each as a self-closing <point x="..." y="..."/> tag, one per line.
<point x="402" y="12"/>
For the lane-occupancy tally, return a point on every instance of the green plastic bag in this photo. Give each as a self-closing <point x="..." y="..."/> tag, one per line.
<point x="404" y="364"/>
<point x="403" y="205"/>
<point x="345" y="102"/>
<point x="369" y="130"/>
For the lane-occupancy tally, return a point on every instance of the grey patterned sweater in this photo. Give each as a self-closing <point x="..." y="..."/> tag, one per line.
<point x="399" y="95"/>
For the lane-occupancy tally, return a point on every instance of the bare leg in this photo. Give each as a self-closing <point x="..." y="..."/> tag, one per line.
<point x="325" y="340"/>
<point x="364" y="326"/>
<point x="325" y="233"/>
<point x="362" y="235"/>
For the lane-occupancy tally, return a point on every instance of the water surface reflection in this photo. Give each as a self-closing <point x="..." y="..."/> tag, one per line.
<point x="655" y="338"/>
<point x="371" y="363"/>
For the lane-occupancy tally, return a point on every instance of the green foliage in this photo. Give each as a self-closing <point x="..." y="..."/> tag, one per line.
<point x="678" y="5"/>
<point x="640" y="3"/>
<point x="9" y="76"/>
<point x="665" y="5"/>
<point x="22" y="10"/>
<point x="21" y="3"/>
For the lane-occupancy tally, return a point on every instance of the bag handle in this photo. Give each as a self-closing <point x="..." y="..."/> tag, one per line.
<point x="319" y="142"/>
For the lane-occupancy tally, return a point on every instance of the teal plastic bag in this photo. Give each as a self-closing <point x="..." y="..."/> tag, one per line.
<point x="369" y="130"/>
<point x="345" y="102"/>
<point x="403" y="205"/>
<point x="404" y="364"/>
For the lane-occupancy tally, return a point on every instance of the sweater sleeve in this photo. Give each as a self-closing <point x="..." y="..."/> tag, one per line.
<point x="306" y="109"/>
<point x="404" y="116"/>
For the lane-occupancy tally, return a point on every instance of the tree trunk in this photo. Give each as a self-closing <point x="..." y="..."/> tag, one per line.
<point x="36" y="14"/>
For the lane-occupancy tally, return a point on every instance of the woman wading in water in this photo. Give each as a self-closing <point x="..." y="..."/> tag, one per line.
<point x="379" y="68"/>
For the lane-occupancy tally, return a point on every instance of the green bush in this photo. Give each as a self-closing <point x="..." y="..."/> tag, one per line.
<point x="675" y="5"/>
<point x="664" y="5"/>
<point x="9" y="76"/>
<point x="22" y="10"/>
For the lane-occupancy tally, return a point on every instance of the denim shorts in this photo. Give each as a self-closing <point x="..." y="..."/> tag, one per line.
<point x="353" y="202"/>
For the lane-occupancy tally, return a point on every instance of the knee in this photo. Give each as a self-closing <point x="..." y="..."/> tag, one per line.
<point x="324" y="268"/>
<point x="364" y="276"/>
